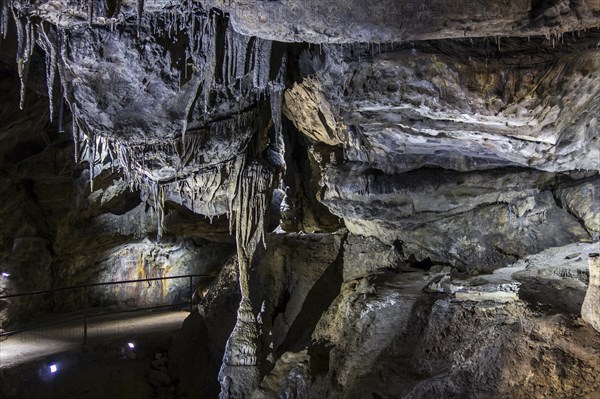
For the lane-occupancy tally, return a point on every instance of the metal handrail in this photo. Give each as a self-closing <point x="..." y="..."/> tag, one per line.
<point x="85" y="287"/>
<point x="73" y="287"/>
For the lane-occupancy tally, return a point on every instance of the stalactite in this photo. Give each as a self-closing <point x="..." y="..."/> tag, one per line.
<point x="6" y="4"/>
<point x="191" y="31"/>
<point x="31" y="37"/>
<point x="277" y="88"/>
<point x="262" y="64"/>
<point x="159" y="206"/>
<point x="241" y="44"/>
<point x="91" y="160"/>
<point x="22" y="55"/>
<point x="234" y="170"/>
<point x="226" y="65"/>
<point x="209" y="66"/>
<point x="51" y="67"/>
<point x="62" y="51"/>
<point x="76" y="137"/>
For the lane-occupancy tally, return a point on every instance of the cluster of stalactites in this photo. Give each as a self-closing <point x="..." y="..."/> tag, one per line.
<point x="221" y="69"/>
<point x="29" y="33"/>
<point x="242" y="68"/>
<point x="26" y="37"/>
<point x="248" y="186"/>
<point x="198" y="192"/>
<point x="101" y="152"/>
<point x="249" y="198"/>
<point x="243" y="58"/>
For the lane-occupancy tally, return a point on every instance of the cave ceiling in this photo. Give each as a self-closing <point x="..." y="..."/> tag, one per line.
<point x="415" y="117"/>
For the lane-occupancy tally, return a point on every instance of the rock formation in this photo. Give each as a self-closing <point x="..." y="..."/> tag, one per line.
<point x="396" y="199"/>
<point x="590" y="310"/>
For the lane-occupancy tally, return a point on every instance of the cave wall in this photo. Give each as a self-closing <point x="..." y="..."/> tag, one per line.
<point x="345" y="170"/>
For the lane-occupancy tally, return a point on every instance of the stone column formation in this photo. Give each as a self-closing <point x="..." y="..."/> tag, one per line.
<point x="239" y="374"/>
<point x="590" y="310"/>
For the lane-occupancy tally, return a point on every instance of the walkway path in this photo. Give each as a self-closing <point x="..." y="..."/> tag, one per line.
<point x="37" y="344"/>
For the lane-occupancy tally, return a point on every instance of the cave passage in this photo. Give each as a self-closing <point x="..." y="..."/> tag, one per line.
<point x="302" y="199"/>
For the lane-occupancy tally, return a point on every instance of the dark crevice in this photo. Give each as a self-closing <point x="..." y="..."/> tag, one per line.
<point x="507" y="253"/>
<point x="424" y="264"/>
<point x="317" y="301"/>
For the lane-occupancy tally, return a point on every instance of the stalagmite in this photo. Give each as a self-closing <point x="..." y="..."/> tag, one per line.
<point x="239" y="374"/>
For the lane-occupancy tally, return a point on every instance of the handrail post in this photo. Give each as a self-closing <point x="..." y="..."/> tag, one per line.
<point x="191" y="293"/>
<point x="85" y="306"/>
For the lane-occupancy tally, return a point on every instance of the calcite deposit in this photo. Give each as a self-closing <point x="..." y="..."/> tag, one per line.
<point x="391" y="199"/>
<point x="590" y="310"/>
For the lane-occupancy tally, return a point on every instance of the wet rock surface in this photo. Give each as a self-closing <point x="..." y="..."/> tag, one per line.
<point x="393" y="199"/>
<point x="391" y="326"/>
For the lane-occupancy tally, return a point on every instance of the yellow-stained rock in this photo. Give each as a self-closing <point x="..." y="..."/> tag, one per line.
<point x="306" y="106"/>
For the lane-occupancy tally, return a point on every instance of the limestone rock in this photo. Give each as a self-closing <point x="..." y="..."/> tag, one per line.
<point x="388" y="21"/>
<point x="287" y="379"/>
<point x="366" y="255"/>
<point x="590" y="310"/>
<point x="583" y="200"/>
<point x="413" y="108"/>
<point x="502" y="234"/>
<point x="497" y="293"/>
<point x="402" y="142"/>
<point x="552" y="271"/>
<point x="306" y="106"/>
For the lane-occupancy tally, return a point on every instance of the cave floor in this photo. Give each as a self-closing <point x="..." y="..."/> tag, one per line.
<point x="40" y="345"/>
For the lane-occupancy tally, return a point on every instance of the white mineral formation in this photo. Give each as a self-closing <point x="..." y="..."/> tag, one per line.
<point x="239" y="374"/>
<point x="590" y="310"/>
